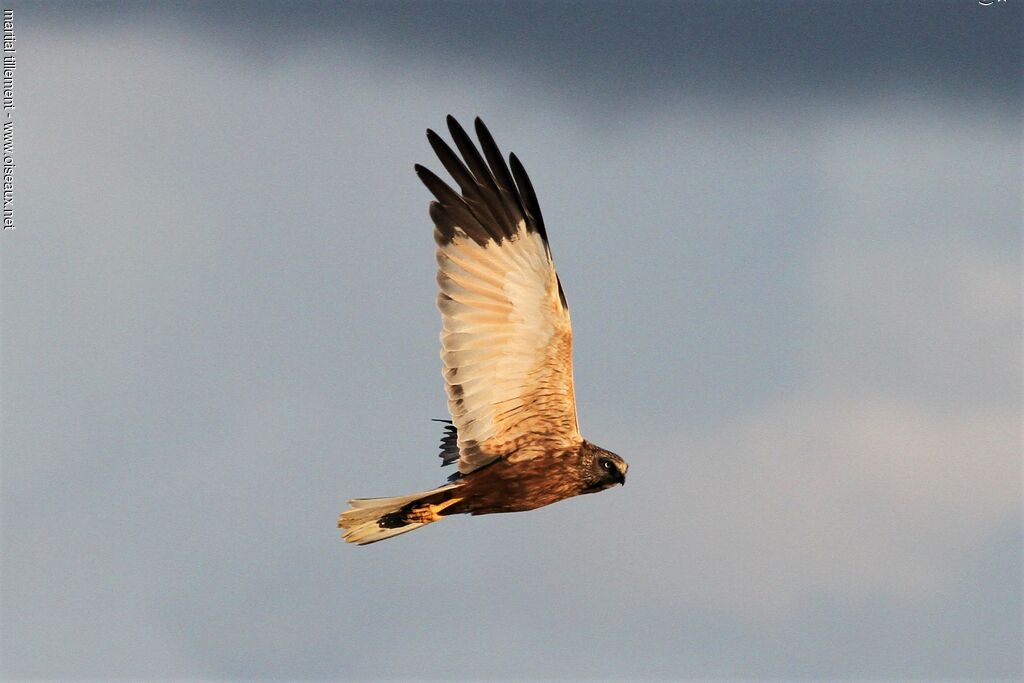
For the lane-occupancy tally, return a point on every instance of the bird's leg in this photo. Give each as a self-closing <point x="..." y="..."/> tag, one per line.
<point x="425" y="514"/>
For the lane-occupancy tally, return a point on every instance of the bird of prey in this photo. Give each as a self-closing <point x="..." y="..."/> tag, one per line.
<point x="506" y="347"/>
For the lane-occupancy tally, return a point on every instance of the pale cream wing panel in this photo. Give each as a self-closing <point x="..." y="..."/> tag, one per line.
<point x="506" y="344"/>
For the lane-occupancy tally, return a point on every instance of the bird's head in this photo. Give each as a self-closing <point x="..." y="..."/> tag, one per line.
<point x="602" y="469"/>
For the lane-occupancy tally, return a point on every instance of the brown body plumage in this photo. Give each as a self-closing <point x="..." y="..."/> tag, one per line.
<point x="506" y="345"/>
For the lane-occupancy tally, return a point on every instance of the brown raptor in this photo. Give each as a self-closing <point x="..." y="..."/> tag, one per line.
<point x="506" y="346"/>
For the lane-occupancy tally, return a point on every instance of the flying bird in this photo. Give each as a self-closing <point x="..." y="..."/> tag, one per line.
<point x="506" y="347"/>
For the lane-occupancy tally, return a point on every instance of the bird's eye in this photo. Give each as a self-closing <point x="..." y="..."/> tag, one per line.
<point x="607" y="464"/>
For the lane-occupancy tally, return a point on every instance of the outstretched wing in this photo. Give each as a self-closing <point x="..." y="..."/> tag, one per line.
<point x="506" y="340"/>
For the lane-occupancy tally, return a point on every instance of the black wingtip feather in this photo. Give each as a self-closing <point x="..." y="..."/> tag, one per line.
<point x="486" y="190"/>
<point x="473" y="194"/>
<point x="451" y="210"/>
<point x="493" y="199"/>
<point x="528" y="195"/>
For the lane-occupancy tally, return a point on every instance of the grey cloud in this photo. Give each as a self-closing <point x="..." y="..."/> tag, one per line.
<point x="623" y="54"/>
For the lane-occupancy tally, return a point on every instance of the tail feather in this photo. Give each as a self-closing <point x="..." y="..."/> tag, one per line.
<point x="373" y="519"/>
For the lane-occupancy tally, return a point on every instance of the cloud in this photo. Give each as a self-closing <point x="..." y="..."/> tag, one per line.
<point x="619" y="57"/>
<point x="811" y="494"/>
<point x="916" y="273"/>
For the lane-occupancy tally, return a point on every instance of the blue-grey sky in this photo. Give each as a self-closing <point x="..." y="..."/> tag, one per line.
<point x="790" y="234"/>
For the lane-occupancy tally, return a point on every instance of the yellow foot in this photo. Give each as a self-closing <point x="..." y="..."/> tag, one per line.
<point x="426" y="514"/>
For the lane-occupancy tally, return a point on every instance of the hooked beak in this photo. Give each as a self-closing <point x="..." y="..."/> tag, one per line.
<point x="620" y="476"/>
